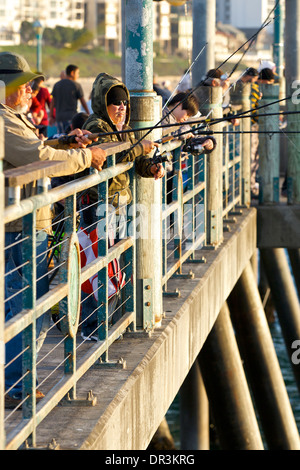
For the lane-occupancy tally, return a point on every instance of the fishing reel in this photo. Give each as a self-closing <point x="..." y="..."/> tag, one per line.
<point x="161" y="157"/>
<point x="193" y="146"/>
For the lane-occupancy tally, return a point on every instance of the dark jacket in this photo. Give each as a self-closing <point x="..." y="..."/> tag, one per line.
<point x="100" y="121"/>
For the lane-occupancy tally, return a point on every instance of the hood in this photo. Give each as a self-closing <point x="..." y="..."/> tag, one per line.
<point x="101" y="86"/>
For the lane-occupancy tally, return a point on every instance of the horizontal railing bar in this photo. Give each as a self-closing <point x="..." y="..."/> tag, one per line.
<point x="231" y="205"/>
<point x="33" y="171"/>
<point x="231" y="163"/>
<point x="58" y="392"/>
<point x="27" y="206"/>
<point x="183" y="258"/>
<point x="23" y="319"/>
<point x="99" y="263"/>
<point x="193" y="192"/>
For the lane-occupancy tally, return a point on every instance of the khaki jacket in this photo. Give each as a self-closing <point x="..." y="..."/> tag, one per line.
<point x="22" y="146"/>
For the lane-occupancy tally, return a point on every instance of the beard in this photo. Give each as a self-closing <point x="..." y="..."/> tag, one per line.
<point x="22" y="109"/>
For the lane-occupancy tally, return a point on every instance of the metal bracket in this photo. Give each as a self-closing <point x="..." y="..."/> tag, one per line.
<point x="139" y="333"/>
<point x="53" y="445"/>
<point x="175" y="293"/>
<point x="209" y="247"/>
<point x="118" y="364"/>
<point x="230" y="220"/>
<point x="236" y="212"/>
<point x="90" y="400"/>
<point x="189" y="275"/>
<point x="147" y="299"/>
<point x="201" y="260"/>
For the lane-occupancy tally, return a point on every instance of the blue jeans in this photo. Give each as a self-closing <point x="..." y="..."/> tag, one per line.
<point x="13" y="305"/>
<point x="63" y="126"/>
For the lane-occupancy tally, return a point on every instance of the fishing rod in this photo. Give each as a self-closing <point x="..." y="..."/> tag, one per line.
<point x="211" y="132"/>
<point x="188" y="71"/>
<point x="67" y="140"/>
<point x="71" y="139"/>
<point x="192" y="91"/>
<point x="252" y="111"/>
<point x="200" y="130"/>
<point x="245" y="52"/>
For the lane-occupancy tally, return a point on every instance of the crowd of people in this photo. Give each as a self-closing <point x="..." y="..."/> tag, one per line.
<point x="29" y="108"/>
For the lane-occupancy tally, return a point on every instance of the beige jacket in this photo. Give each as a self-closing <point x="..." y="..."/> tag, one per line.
<point x="22" y="146"/>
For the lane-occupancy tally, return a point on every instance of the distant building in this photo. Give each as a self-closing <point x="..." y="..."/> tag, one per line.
<point x="248" y="16"/>
<point x="67" y="13"/>
<point x="102" y="17"/>
<point x="243" y="14"/>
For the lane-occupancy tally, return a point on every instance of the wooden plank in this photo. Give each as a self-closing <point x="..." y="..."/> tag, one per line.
<point x="33" y="171"/>
<point x="115" y="147"/>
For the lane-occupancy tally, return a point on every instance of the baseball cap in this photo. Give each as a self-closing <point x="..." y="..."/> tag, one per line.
<point x="266" y="64"/>
<point x="251" y="72"/>
<point x="14" y="69"/>
<point x="267" y="74"/>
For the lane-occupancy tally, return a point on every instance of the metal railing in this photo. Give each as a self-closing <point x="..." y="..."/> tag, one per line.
<point x="94" y="273"/>
<point x="231" y="168"/>
<point x="64" y="299"/>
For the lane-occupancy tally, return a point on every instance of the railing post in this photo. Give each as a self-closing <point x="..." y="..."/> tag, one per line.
<point x="269" y="148"/>
<point x="246" y="148"/>
<point x="145" y="111"/>
<point x="212" y="105"/>
<point x="2" y="319"/>
<point x="241" y="96"/>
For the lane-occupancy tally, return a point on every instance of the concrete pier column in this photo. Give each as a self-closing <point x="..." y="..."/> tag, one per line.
<point x="194" y="412"/>
<point x="227" y="388"/>
<point x="204" y="25"/>
<point x="261" y="364"/>
<point x="294" y="255"/>
<point x="285" y="299"/>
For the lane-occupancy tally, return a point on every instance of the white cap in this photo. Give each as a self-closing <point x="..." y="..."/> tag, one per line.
<point x="266" y="64"/>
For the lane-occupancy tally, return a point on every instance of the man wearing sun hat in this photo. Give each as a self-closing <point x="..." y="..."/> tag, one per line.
<point x="22" y="146"/>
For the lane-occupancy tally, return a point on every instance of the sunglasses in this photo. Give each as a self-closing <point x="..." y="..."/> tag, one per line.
<point x="119" y="102"/>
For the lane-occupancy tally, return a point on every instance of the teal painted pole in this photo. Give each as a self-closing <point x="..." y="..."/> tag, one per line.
<point x="278" y="44"/>
<point x="39" y="32"/>
<point x="39" y="52"/>
<point x="139" y="45"/>
<point x="145" y="111"/>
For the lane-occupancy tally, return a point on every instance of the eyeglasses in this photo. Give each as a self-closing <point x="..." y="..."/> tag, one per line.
<point x="119" y="102"/>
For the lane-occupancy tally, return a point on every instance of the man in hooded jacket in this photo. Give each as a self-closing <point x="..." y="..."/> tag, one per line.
<point x="110" y="101"/>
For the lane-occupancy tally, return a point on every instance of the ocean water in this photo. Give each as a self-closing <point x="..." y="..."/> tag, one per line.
<point x="173" y="413"/>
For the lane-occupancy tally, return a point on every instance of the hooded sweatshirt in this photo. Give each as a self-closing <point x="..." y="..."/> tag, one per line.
<point x="100" y="122"/>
